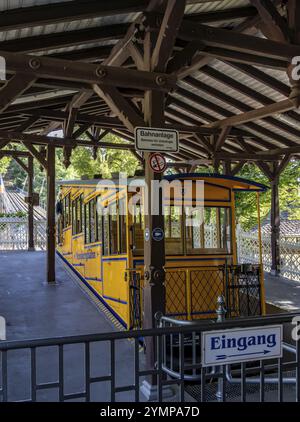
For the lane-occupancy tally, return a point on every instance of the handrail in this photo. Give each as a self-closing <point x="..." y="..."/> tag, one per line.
<point x="119" y="335"/>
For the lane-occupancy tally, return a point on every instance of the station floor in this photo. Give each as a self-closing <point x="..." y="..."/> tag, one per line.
<point x="33" y="309"/>
<point x="282" y="293"/>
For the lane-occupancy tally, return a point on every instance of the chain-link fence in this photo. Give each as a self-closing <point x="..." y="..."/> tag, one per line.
<point x="248" y="251"/>
<point x="14" y="234"/>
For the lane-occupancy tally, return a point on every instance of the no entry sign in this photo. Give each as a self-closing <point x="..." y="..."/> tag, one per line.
<point x="157" y="163"/>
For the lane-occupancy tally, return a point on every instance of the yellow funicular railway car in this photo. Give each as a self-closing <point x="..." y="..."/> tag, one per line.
<point x="101" y="237"/>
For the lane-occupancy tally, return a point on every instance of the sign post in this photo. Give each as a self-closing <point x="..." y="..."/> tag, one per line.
<point x="241" y="345"/>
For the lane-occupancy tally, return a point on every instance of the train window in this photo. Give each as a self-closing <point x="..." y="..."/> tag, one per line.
<point x="105" y="232"/>
<point x="122" y="226"/>
<point x="77" y="215"/>
<point x="208" y="230"/>
<point x="113" y="228"/>
<point x="93" y="221"/>
<point x="99" y="218"/>
<point x="173" y="230"/>
<point x="138" y="230"/>
<point x="87" y="223"/>
<point x="66" y="211"/>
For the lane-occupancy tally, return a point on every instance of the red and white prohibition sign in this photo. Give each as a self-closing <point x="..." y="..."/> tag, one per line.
<point x="157" y="162"/>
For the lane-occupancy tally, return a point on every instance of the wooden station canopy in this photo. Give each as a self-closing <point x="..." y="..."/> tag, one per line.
<point x="220" y="72"/>
<point x="223" y="65"/>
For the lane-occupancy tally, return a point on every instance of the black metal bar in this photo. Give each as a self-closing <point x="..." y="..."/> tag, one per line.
<point x="181" y="357"/>
<point x="297" y="364"/>
<point x="243" y="382"/>
<point x="256" y="321"/>
<point x="262" y="382"/>
<point x="280" y="384"/>
<point x="136" y="370"/>
<point x="47" y="385"/>
<point x="87" y="371"/>
<point x="112" y="371"/>
<point x="4" y="376"/>
<point x="203" y="381"/>
<point x="61" y="372"/>
<point x="33" y="373"/>
<point x="159" y="368"/>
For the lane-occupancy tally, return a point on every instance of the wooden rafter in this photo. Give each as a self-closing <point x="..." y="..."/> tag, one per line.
<point x="14" y="88"/>
<point x="260" y="113"/>
<point x="273" y="24"/>
<point x="167" y="34"/>
<point x="120" y="106"/>
<point x="61" y="12"/>
<point x="45" y="67"/>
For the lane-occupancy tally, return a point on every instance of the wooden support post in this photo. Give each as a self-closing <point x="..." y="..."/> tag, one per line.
<point x="51" y="214"/>
<point x="275" y="227"/>
<point x="30" y="204"/>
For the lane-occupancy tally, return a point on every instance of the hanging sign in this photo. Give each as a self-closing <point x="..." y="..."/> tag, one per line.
<point x="153" y="139"/>
<point x="157" y="162"/>
<point x="241" y="345"/>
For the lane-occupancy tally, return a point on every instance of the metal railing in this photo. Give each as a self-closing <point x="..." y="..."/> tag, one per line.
<point x="14" y="234"/>
<point x="126" y="369"/>
<point x="248" y="251"/>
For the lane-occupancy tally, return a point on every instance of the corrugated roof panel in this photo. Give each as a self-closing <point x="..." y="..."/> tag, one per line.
<point x="215" y="5"/>
<point x="76" y="47"/>
<point x="76" y="25"/>
<point x="14" y="4"/>
<point x="249" y="81"/>
<point x="208" y="97"/>
<point x="226" y="89"/>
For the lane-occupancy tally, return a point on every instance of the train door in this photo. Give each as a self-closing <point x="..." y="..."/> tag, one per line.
<point x="135" y="271"/>
<point x="115" y="258"/>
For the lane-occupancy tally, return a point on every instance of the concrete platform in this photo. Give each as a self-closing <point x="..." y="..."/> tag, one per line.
<point x="34" y="309"/>
<point x="283" y="293"/>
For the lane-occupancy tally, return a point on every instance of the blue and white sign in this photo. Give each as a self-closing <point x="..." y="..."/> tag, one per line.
<point x="241" y="345"/>
<point x="157" y="234"/>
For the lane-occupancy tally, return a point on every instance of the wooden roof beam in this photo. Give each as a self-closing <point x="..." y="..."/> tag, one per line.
<point x="260" y="113"/>
<point x="64" y="12"/>
<point x="14" y="88"/>
<point x="167" y="34"/>
<point x="273" y="25"/>
<point x="119" y="105"/>
<point x="224" y="38"/>
<point x="45" y="67"/>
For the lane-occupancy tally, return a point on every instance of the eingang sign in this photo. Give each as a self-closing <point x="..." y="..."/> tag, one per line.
<point x="241" y="345"/>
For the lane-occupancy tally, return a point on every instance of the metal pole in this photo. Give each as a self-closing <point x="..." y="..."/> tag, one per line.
<point x="261" y="275"/>
<point x="51" y="214"/>
<point x="275" y="227"/>
<point x="154" y="250"/>
<point x="30" y="204"/>
<point x="221" y="314"/>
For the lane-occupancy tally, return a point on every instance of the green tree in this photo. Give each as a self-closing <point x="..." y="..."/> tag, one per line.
<point x="289" y="197"/>
<point x="4" y="164"/>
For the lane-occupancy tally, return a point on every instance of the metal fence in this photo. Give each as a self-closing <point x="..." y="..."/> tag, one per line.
<point x="14" y="234"/>
<point x="28" y="373"/>
<point x="248" y="251"/>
